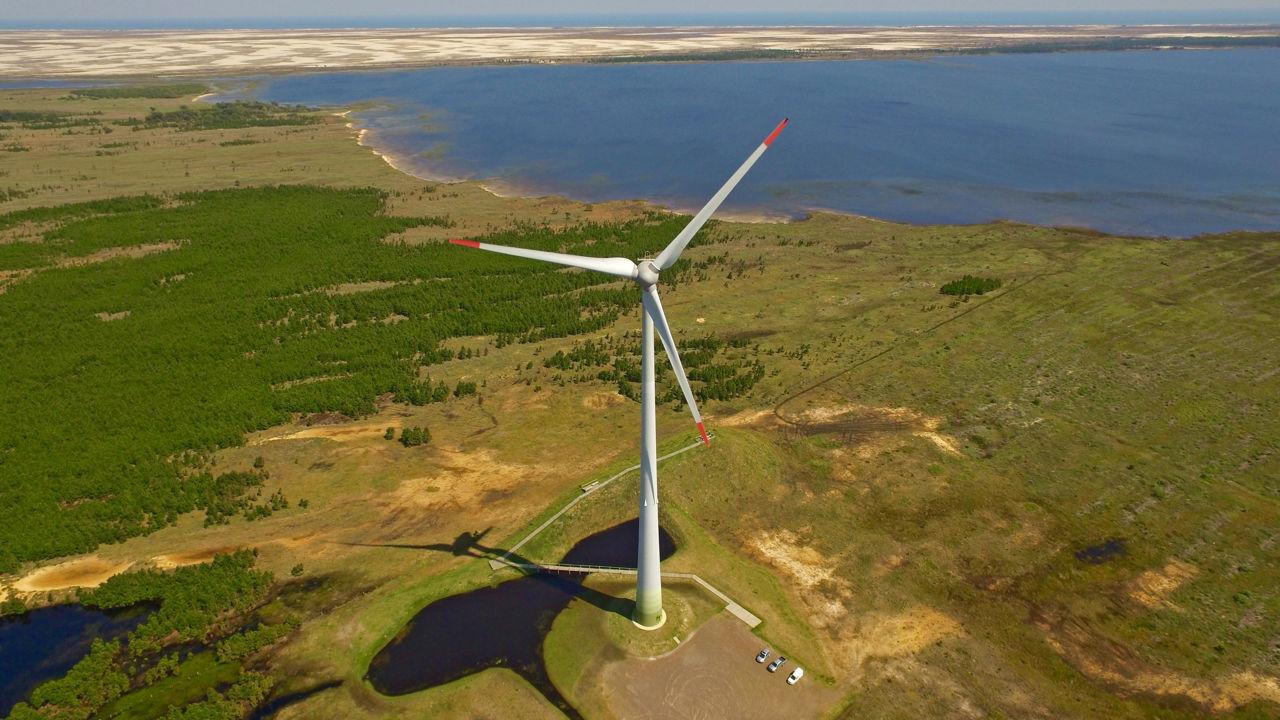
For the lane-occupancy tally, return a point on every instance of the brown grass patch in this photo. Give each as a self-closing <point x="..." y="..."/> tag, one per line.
<point x="747" y="418"/>
<point x="874" y="429"/>
<point x="109" y="316"/>
<point x="887" y="564"/>
<point x="26" y="232"/>
<point x="89" y="571"/>
<point x="360" y="287"/>
<point x="114" y="253"/>
<point x="1117" y="666"/>
<point x="308" y="380"/>
<point x="11" y="277"/>
<point x="602" y="400"/>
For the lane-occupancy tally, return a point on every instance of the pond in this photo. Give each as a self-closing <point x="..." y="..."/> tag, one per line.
<point x="43" y="644"/>
<point x="501" y="626"/>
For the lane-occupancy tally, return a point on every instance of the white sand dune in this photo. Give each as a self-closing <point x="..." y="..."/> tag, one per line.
<point x="123" y="53"/>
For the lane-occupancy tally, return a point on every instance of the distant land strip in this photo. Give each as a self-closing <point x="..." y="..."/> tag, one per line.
<point x="120" y="54"/>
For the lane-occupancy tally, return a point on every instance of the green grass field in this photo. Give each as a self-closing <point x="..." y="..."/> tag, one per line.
<point x="1053" y="499"/>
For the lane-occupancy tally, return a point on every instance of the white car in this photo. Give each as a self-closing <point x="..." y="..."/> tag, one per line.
<point x="763" y="654"/>
<point x="795" y="676"/>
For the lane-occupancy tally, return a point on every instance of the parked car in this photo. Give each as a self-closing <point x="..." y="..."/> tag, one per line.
<point x="773" y="666"/>
<point x="795" y="676"/>
<point x="763" y="654"/>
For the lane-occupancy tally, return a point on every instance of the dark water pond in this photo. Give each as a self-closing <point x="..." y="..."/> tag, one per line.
<point x="43" y="644"/>
<point x="502" y="626"/>
<point x="1103" y="551"/>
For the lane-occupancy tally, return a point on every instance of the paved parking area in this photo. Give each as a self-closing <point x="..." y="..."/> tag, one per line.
<point x="713" y="675"/>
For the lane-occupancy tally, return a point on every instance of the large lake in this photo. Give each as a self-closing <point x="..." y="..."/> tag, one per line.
<point x="1152" y="143"/>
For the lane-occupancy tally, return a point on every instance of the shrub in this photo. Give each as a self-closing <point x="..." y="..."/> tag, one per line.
<point x="12" y="606"/>
<point x="970" y="285"/>
<point x="414" y="436"/>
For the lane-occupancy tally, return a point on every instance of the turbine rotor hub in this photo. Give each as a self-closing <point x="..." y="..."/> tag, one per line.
<point x="646" y="273"/>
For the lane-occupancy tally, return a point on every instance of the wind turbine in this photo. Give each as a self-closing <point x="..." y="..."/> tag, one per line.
<point x="648" y="611"/>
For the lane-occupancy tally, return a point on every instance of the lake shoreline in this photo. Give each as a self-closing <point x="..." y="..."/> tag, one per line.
<point x="502" y="189"/>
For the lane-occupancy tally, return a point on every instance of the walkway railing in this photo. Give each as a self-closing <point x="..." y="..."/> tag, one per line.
<point x="587" y="489"/>
<point x="505" y="559"/>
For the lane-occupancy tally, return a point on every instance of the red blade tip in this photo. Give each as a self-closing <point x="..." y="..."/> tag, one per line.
<point x="703" y="432"/>
<point x="776" y="130"/>
<point x="464" y="243"/>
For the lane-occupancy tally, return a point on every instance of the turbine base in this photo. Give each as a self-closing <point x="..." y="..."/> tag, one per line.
<point x="662" y="620"/>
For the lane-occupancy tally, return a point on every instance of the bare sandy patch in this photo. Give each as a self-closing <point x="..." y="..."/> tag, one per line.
<point x="114" y="253"/>
<point x="904" y="633"/>
<point x="470" y="479"/>
<point x="945" y="443"/>
<point x="110" y="316"/>
<point x="783" y="550"/>
<point x="89" y="571"/>
<point x="169" y="561"/>
<point x="1153" y="587"/>
<point x="337" y="433"/>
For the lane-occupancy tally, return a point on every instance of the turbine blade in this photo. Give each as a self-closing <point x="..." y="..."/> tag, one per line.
<point x="653" y="306"/>
<point x="620" y="267"/>
<point x="672" y="252"/>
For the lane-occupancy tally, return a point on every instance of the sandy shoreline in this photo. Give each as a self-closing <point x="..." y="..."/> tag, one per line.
<point x="150" y="53"/>
<point x="504" y="189"/>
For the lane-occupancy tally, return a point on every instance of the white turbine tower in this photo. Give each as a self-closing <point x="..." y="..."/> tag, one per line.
<point x="648" y="612"/>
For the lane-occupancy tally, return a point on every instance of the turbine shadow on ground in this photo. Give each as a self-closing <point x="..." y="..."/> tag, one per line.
<point x="467" y="544"/>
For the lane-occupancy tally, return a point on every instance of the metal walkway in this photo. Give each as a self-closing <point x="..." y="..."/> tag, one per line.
<point x="505" y="559"/>
<point x="734" y="608"/>
<point x="586" y="490"/>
